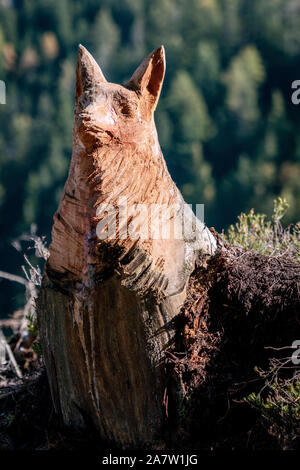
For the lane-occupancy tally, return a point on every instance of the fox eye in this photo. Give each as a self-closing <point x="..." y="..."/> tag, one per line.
<point x="125" y="108"/>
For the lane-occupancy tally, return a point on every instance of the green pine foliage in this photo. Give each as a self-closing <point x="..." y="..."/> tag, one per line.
<point x="278" y="405"/>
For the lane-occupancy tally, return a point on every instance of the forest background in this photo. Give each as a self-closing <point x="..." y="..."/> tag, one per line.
<point x="226" y="122"/>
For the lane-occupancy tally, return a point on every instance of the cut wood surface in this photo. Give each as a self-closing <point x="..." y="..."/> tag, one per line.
<point x="107" y="304"/>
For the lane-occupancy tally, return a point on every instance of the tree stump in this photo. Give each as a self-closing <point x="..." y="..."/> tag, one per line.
<point x="123" y="246"/>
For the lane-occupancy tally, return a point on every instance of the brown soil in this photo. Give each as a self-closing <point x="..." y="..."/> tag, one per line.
<point x="239" y="306"/>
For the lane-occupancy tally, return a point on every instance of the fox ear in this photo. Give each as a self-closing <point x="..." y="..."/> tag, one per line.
<point x="88" y="73"/>
<point x="148" y="77"/>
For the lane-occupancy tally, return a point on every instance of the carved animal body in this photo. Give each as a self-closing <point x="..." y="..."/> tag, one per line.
<point x="107" y="305"/>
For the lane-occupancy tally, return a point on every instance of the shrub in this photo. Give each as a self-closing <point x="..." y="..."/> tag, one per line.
<point x="254" y="232"/>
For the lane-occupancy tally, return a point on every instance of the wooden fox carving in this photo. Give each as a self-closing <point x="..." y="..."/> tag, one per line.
<point x="123" y="246"/>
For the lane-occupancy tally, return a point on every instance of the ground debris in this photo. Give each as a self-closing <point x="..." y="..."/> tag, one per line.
<point x="237" y="307"/>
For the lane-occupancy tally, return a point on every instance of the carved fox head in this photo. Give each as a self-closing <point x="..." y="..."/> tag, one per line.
<point x="115" y="138"/>
<point x="106" y="112"/>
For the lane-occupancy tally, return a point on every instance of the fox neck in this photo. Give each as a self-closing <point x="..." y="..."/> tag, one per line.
<point x="113" y="169"/>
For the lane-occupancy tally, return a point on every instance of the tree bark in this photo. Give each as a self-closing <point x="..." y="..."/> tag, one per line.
<point x="109" y="297"/>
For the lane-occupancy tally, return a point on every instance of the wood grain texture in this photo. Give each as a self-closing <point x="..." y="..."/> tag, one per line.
<point x="107" y="307"/>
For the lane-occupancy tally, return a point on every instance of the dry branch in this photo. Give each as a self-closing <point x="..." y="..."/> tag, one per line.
<point x="10" y="355"/>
